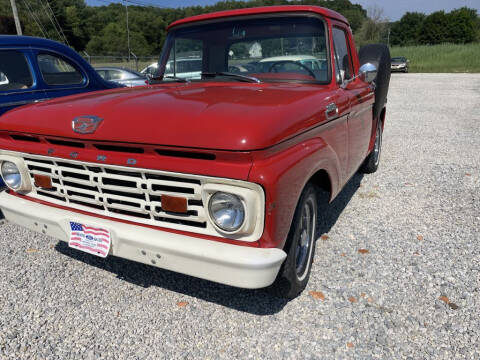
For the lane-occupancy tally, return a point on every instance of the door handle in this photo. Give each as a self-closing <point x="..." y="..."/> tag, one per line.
<point x="331" y="111"/>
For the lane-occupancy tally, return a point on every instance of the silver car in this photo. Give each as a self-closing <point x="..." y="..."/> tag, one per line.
<point x="400" y="63"/>
<point x="123" y="76"/>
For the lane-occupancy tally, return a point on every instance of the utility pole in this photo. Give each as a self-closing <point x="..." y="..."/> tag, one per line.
<point x="128" y="33"/>
<point x="15" y="17"/>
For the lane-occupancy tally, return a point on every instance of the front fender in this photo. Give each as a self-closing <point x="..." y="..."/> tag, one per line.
<point x="283" y="173"/>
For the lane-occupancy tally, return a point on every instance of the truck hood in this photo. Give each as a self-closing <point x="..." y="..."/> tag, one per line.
<point x="221" y="116"/>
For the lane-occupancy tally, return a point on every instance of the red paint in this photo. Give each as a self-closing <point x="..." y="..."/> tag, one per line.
<point x="273" y="134"/>
<point x="261" y="10"/>
<point x="235" y="165"/>
<point x="249" y="116"/>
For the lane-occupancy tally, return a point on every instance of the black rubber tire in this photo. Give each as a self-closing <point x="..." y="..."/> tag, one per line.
<point x="371" y="162"/>
<point x="378" y="55"/>
<point x="287" y="284"/>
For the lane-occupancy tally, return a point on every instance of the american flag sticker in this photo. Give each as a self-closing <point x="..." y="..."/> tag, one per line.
<point x="95" y="241"/>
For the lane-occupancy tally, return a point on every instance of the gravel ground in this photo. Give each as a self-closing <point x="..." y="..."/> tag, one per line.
<point x="411" y="292"/>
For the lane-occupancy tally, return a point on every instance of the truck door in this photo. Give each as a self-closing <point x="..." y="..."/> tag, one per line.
<point x="360" y="118"/>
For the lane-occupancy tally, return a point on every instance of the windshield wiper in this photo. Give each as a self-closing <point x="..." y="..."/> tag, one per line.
<point x="236" y="76"/>
<point x="154" y="80"/>
<point x="176" y="78"/>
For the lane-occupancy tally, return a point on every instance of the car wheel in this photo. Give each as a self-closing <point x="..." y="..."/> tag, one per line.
<point x="300" y="246"/>
<point x="370" y="165"/>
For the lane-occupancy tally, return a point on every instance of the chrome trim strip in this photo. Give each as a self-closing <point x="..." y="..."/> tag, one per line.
<point x="22" y="102"/>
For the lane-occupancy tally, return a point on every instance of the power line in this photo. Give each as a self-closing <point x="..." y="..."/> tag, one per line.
<point x="136" y="2"/>
<point x="37" y="21"/>
<point x="128" y="31"/>
<point x="51" y="20"/>
<point x="142" y="3"/>
<point x="55" y="18"/>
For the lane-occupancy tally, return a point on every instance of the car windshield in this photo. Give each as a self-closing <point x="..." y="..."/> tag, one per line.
<point x="398" y="59"/>
<point x="287" y="48"/>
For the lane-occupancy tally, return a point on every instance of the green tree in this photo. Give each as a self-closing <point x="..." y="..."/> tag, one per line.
<point x="406" y="30"/>
<point x="459" y="26"/>
<point x="462" y="25"/>
<point x="434" y="29"/>
<point x="113" y="41"/>
<point x="373" y="29"/>
<point x="88" y="27"/>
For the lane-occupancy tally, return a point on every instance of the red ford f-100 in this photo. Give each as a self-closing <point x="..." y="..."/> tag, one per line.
<point x="212" y="169"/>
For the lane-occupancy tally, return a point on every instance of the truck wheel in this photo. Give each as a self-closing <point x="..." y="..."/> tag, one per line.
<point x="378" y="55"/>
<point x="300" y="246"/>
<point x="370" y="165"/>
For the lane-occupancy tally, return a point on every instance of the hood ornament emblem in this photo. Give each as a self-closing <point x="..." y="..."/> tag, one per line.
<point x="86" y="124"/>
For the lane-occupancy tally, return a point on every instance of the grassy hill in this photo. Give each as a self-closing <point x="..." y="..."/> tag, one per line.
<point x="441" y="58"/>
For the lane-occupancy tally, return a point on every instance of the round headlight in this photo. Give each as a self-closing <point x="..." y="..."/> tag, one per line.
<point x="227" y="211"/>
<point x="11" y="175"/>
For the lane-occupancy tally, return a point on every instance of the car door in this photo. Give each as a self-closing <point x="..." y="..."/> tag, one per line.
<point x="60" y="75"/>
<point x="18" y="83"/>
<point x="358" y="93"/>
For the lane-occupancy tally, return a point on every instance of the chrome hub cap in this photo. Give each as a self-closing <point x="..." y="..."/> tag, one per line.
<point x="305" y="241"/>
<point x="378" y="145"/>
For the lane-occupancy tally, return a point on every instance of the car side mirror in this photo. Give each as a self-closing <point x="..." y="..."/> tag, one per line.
<point x="367" y="72"/>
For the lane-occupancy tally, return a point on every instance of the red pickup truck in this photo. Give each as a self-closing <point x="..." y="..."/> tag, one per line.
<point x="212" y="171"/>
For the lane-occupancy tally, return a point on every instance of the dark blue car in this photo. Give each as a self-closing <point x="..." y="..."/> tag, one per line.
<point x="35" y="69"/>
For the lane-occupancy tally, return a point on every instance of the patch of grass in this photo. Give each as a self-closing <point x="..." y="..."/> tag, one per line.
<point x="445" y="58"/>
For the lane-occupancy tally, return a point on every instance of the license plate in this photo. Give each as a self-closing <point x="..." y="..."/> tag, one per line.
<point x="90" y="239"/>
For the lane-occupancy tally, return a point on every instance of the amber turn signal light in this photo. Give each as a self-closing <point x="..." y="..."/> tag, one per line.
<point x="43" y="181"/>
<point x="174" y="204"/>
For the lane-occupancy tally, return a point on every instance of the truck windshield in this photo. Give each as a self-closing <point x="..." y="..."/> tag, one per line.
<point x="277" y="48"/>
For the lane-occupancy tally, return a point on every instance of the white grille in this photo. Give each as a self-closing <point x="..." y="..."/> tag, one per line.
<point x="121" y="192"/>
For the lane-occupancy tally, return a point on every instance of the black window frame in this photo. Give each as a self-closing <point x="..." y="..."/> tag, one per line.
<point x="349" y="52"/>
<point x="71" y="62"/>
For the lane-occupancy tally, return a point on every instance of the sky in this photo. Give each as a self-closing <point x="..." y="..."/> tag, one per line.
<point x="393" y="9"/>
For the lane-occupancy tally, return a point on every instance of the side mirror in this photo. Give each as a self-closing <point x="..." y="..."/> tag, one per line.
<point x="367" y="72"/>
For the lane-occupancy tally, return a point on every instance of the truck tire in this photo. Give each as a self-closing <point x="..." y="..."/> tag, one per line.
<point x="300" y="247"/>
<point x="378" y="55"/>
<point x="371" y="162"/>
